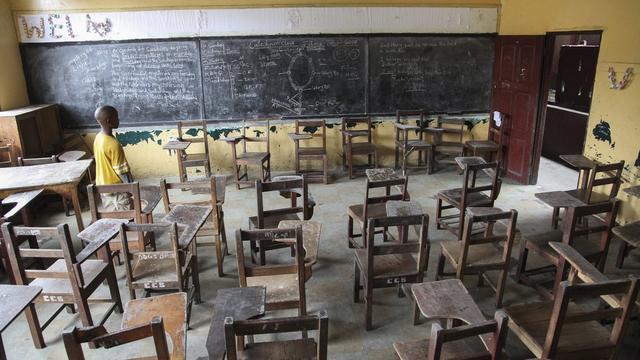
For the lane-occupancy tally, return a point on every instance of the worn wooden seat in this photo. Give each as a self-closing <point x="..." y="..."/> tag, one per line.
<point x="305" y="348"/>
<point x="562" y="329"/>
<point x="270" y="218"/>
<point x="460" y="342"/>
<point x="479" y="254"/>
<point x="285" y="283"/>
<point x="161" y="271"/>
<point x="592" y="238"/>
<point x="354" y="129"/>
<point x="71" y="280"/>
<point x="198" y="135"/>
<point x="213" y="232"/>
<point x="389" y="264"/>
<point x="311" y="151"/>
<point x="473" y="193"/>
<point x="253" y="156"/>
<point x="138" y="241"/>
<point x="394" y="187"/>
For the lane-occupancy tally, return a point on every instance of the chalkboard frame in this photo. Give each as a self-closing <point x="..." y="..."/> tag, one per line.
<point x="197" y="40"/>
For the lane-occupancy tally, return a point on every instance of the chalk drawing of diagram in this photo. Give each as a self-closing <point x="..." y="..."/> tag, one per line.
<point x="300" y="73"/>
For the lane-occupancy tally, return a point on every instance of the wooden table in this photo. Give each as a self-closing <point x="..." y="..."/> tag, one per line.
<point x="13" y="300"/>
<point x="448" y="299"/>
<point x="583" y="164"/>
<point x="62" y="178"/>
<point x="190" y="218"/>
<point x="239" y="303"/>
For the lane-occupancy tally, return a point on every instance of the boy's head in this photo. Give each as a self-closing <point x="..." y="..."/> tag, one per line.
<point x="107" y="117"/>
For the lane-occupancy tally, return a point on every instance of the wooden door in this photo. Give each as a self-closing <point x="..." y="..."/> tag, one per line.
<point x="516" y="93"/>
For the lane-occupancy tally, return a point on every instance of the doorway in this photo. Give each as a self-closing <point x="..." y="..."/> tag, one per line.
<point x="567" y="88"/>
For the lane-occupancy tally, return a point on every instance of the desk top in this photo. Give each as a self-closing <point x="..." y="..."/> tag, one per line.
<point x="296" y="136"/>
<point x="382" y="174"/>
<point x="14" y="299"/>
<point x="630" y="233"/>
<point x="310" y="237"/>
<point x="192" y="217"/>
<point x="71" y="155"/>
<point x="149" y="197"/>
<point x="20" y="200"/>
<point x="578" y="161"/>
<point x="38" y="176"/>
<point x="101" y="230"/>
<point x="403" y="208"/>
<point x="462" y="161"/>
<point x="240" y="303"/>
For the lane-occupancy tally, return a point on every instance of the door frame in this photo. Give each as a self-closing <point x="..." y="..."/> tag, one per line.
<point x="541" y="119"/>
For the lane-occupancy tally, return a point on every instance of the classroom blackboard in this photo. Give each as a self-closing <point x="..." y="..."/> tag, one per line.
<point x="435" y="73"/>
<point x="148" y="82"/>
<point x="289" y="76"/>
<point x="234" y="78"/>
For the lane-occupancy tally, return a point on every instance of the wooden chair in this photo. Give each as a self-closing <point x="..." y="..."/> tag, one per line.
<point x="6" y="160"/>
<point x="591" y="239"/>
<point x="477" y="255"/>
<point x="494" y="146"/>
<point x="355" y="128"/>
<point x="407" y="145"/>
<point x="307" y="130"/>
<point x="198" y="134"/>
<point x="471" y="194"/>
<point x="214" y="227"/>
<point x="458" y="343"/>
<point x="374" y="206"/>
<point x="40" y="161"/>
<point x="161" y="270"/>
<point x="137" y="326"/>
<point x="285" y="283"/>
<point x="269" y="219"/>
<point x="20" y="202"/>
<point x="138" y="241"/>
<point x="390" y="264"/>
<point x="70" y="280"/>
<point x="304" y="348"/>
<point x="562" y="329"/>
<point x="602" y="186"/>
<point x="448" y="144"/>
<point x="251" y="157"/>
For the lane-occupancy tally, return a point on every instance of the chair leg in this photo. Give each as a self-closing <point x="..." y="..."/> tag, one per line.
<point x="350" y="232"/>
<point x="622" y="252"/>
<point x="34" y="326"/>
<point x="356" y="282"/>
<point x="219" y="257"/>
<point x="439" y="214"/>
<point x="223" y="234"/>
<point x="440" y="268"/>
<point x="502" y="280"/>
<point x="522" y="263"/>
<point x="263" y="255"/>
<point x="416" y="313"/>
<point x="114" y="291"/>
<point x="195" y="278"/>
<point x="368" y="306"/>
<point x="325" y="164"/>
<point x="555" y="217"/>
<point x="397" y="157"/>
<point x="84" y="312"/>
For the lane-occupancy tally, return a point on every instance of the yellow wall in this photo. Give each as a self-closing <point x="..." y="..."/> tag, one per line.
<point x="620" y="48"/>
<point x="13" y="91"/>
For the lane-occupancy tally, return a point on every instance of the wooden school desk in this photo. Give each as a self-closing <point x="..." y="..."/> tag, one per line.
<point x="62" y="178"/>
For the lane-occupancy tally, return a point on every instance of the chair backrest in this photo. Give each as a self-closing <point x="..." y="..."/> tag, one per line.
<point x="359" y="124"/>
<point x="506" y="239"/>
<point x="601" y="177"/>
<point x="440" y="337"/>
<point x="394" y="189"/>
<point x="98" y="212"/>
<point x="273" y="235"/>
<point x="197" y="132"/>
<point x="268" y="186"/>
<point x="319" y="322"/>
<point x="37" y="161"/>
<point x="74" y="337"/>
<point x="16" y="235"/>
<point x="205" y="186"/>
<point x="452" y="129"/>
<point x="600" y="219"/>
<point x="6" y="160"/>
<point x="261" y="136"/>
<point x="317" y="128"/>
<point x="407" y="115"/>
<point x="470" y="180"/>
<point x="402" y="246"/>
<point x="567" y="293"/>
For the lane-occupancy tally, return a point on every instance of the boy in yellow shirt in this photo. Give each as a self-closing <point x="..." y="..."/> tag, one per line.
<point x="111" y="164"/>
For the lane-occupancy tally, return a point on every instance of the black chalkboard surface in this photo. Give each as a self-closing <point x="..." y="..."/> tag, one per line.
<point x="251" y="77"/>
<point x="148" y="82"/>
<point x="163" y="81"/>
<point x="438" y="73"/>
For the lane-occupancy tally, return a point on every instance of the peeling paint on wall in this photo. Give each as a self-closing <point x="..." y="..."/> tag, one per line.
<point x="602" y="132"/>
<point x="310" y="129"/>
<point x="215" y="133"/>
<point x="135" y="137"/>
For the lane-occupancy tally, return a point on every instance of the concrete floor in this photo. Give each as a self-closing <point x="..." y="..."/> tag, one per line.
<point x="331" y="285"/>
